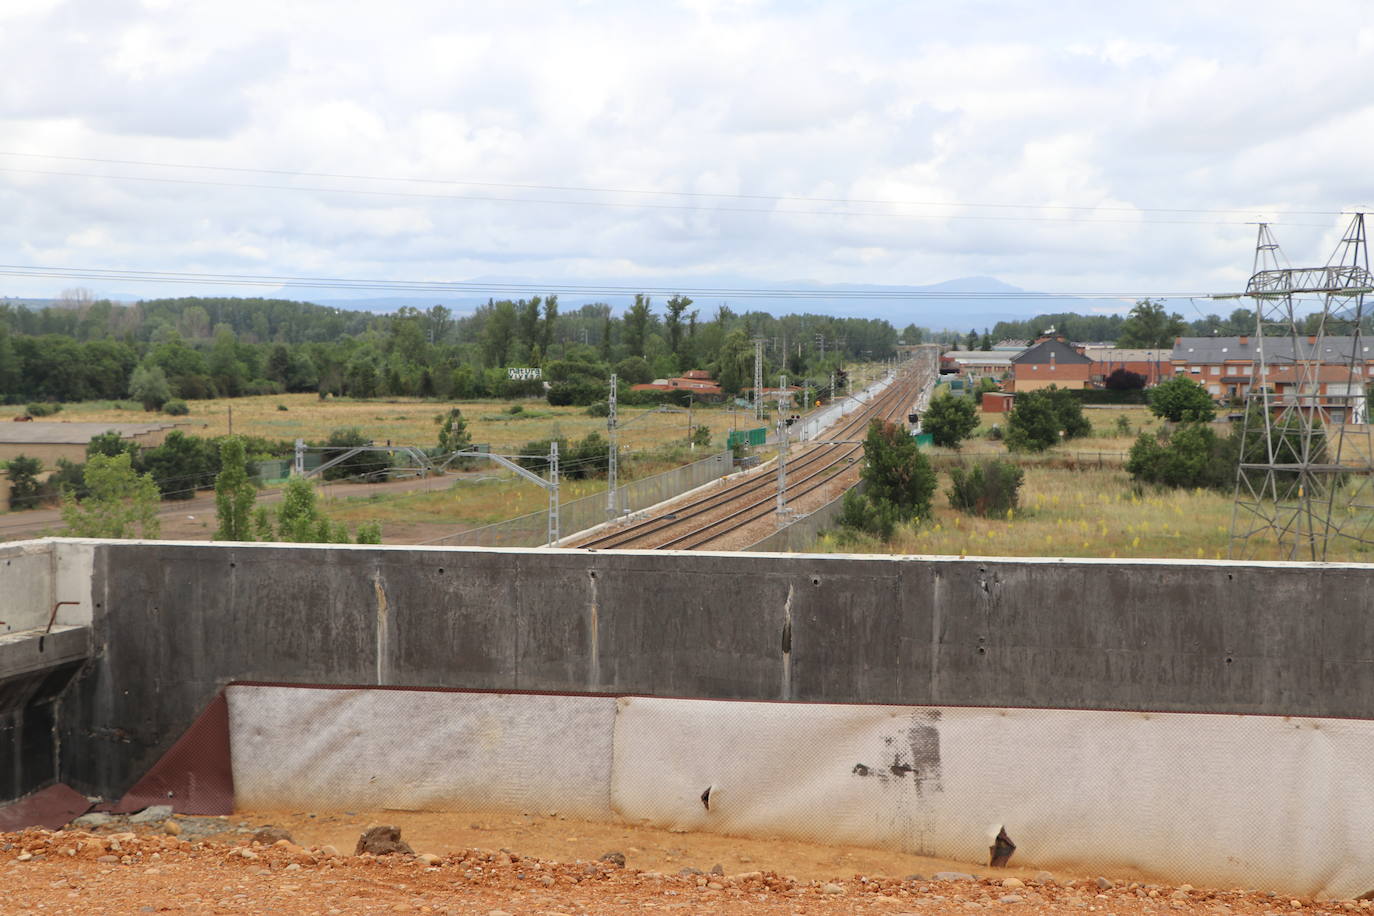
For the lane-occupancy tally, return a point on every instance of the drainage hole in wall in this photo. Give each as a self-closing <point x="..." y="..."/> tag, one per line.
<point x="441" y="570"/>
<point x="815" y="580"/>
<point x="982" y="650"/>
<point x="1229" y="659"/>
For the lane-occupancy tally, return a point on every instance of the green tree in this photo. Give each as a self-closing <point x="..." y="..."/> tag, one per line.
<point x="148" y="385"/>
<point x="1181" y="400"/>
<point x="1148" y="325"/>
<point x="453" y="434"/>
<point x="633" y="370"/>
<point x="234" y="493"/>
<point x="23" y="477"/>
<point x="637" y="319"/>
<point x="299" y="518"/>
<point x="950" y="419"/>
<point x="896" y="470"/>
<point x="971" y="342"/>
<point x="898" y="482"/>
<point x="673" y="322"/>
<point x="1043" y="418"/>
<point x="121" y="502"/>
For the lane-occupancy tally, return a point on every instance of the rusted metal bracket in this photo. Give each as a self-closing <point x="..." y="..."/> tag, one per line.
<point x="52" y="618"/>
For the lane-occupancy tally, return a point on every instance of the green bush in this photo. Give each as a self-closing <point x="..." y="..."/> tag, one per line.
<point x="898" y="483"/>
<point x="989" y="488"/>
<point x="1182" y="400"/>
<point x="42" y="409"/>
<point x="1043" y="418"/>
<point x="361" y="465"/>
<point x="599" y="409"/>
<point x="176" y="407"/>
<point x="877" y="517"/>
<point x="25" y="490"/>
<point x="949" y="419"/>
<point x="1190" y="456"/>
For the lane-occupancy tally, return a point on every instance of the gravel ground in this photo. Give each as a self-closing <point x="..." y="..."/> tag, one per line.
<point x="78" y="872"/>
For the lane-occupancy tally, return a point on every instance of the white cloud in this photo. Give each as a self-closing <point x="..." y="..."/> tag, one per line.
<point x="1238" y="105"/>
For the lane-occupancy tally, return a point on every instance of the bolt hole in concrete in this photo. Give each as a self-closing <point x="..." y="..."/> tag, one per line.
<point x="815" y="580"/>
<point x="982" y="650"/>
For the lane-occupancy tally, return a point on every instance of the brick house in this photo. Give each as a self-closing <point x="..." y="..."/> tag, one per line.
<point x="1048" y="362"/>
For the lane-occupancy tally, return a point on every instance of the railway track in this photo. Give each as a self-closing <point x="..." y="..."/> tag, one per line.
<point x="712" y="517"/>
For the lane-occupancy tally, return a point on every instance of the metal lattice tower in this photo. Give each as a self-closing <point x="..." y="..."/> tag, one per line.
<point x="554" y="534"/>
<point x="1307" y="453"/>
<point x="612" y="500"/>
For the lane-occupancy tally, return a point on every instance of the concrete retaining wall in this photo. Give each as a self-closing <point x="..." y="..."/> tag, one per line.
<point x="802" y="533"/>
<point x="176" y="622"/>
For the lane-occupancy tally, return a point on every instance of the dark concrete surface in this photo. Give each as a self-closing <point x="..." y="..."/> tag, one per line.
<point x="174" y="623"/>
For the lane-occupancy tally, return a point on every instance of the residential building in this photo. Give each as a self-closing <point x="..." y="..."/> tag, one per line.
<point x="1051" y="361"/>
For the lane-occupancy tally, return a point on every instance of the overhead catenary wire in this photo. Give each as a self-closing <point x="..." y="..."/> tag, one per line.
<point x="643" y="205"/>
<point x="696" y="195"/>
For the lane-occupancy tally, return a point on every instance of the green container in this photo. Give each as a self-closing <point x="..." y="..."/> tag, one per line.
<point x="747" y="437"/>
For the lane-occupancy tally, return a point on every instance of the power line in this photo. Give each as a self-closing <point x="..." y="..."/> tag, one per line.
<point x="624" y="205"/>
<point x="699" y="195"/>
<point x="469" y="287"/>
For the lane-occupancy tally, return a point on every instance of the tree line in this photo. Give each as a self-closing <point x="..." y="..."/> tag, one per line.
<point x="194" y="348"/>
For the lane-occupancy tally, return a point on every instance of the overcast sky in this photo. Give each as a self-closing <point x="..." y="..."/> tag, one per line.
<point x="881" y="109"/>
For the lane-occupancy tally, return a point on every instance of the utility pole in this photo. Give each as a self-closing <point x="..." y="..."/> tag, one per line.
<point x="691" y="442"/>
<point x="612" y="499"/>
<point x="299" y="468"/>
<point x="782" y="448"/>
<point x="758" y="378"/>
<point x="553" y="492"/>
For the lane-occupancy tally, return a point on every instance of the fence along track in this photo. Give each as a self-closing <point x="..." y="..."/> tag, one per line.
<point x="760" y="491"/>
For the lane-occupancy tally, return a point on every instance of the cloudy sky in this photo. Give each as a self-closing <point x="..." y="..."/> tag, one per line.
<point x="1065" y="147"/>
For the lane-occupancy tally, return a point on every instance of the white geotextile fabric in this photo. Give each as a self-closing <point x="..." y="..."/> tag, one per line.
<point x="326" y="749"/>
<point x="1248" y="801"/>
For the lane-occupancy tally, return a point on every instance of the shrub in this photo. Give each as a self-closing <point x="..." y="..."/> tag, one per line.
<point x="282" y="407"/>
<point x="25" y="489"/>
<point x="701" y="435"/>
<point x="989" y="488"/>
<point x="1124" y="380"/>
<point x="149" y="386"/>
<point x="1043" y="417"/>
<point x="1182" y="400"/>
<point x="42" y="409"/>
<point x="1189" y="456"/>
<point x="176" y="407"/>
<point x="949" y="419"/>
<point x="363" y="464"/>
<point x="898" y="483"/>
<point x="599" y="409"/>
<point x="878" y="517"/>
<point x="181" y="465"/>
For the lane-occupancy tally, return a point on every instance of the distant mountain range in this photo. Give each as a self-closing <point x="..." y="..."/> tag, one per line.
<point x="969" y="302"/>
<point x="960" y="304"/>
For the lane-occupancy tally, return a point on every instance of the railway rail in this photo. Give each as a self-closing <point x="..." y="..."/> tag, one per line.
<point x="711" y="517"/>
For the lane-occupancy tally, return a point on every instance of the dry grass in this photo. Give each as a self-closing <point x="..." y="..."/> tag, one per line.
<point x="1084" y="513"/>
<point x="411" y="421"/>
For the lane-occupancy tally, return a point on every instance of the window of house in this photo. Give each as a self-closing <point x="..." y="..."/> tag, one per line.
<point x="1216" y="370"/>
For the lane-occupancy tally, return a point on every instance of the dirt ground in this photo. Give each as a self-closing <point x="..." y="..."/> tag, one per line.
<point x="542" y="865"/>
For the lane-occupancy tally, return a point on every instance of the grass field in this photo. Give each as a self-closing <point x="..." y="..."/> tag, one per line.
<point x="411" y="421"/>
